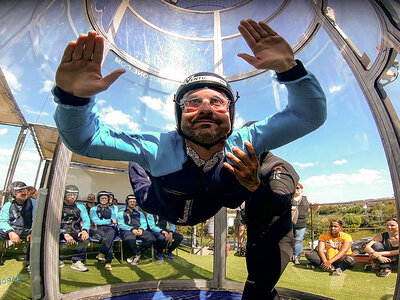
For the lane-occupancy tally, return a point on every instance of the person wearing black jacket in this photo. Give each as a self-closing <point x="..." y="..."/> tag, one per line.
<point x="268" y="218"/>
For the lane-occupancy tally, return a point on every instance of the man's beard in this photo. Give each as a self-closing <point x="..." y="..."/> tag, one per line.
<point x="205" y="135"/>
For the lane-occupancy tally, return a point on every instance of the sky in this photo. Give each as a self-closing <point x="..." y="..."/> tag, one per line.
<point x="344" y="160"/>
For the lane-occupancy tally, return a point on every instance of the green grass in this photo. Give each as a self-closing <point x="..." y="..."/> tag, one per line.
<point x="353" y="284"/>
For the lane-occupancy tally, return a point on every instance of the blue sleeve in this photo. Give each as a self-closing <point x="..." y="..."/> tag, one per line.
<point x="305" y="112"/>
<point x="5" y="218"/>
<point x="152" y="225"/>
<point x="121" y="222"/>
<point x="83" y="133"/>
<point x="85" y="217"/>
<point x="95" y="218"/>
<point x="143" y="223"/>
<point x="172" y="227"/>
<point x="114" y="213"/>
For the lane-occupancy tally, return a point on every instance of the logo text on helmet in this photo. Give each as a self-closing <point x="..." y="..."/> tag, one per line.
<point x="193" y="78"/>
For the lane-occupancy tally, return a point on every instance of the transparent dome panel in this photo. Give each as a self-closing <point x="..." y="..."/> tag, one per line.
<point x="173" y="20"/>
<point x="171" y="56"/>
<point x="104" y="11"/>
<point x="345" y="17"/>
<point x="291" y="24"/>
<point x="257" y="10"/>
<point x="390" y="82"/>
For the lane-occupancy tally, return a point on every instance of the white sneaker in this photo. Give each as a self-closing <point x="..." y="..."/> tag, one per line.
<point x="129" y="260"/>
<point x="61" y="263"/>
<point x="108" y="267"/>
<point x="79" y="266"/>
<point x="136" y="260"/>
<point x="337" y="272"/>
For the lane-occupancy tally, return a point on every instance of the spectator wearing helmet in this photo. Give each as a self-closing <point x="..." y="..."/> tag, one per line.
<point x="106" y="221"/>
<point x="133" y="225"/>
<point x="165" y="234"/>
<point x="75" y="225"/>
<point x="16" y="216"/>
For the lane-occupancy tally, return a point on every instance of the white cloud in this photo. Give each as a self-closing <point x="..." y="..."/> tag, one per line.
<point x="47" y="86"/>
<point x="101" y="102"/>
<point x="170" y="127"/>
<point x="239" y="122"/>
<point x="117" y="119"/>
<point x="334" y="89"/>
<point x="340" y="162"/>
<point x="29" y="155"/>
<point x="35" y="112"/>
<point x="165" y="109"/>
<point x="3" y="131"/>
<point x="12" y="80"/>
<point x="363" y="177"/>
<point x="304" y="165"/>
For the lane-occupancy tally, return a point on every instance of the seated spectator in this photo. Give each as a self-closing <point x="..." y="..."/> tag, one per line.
<point x="91" y="201"/>
<point x="75" y="225"/>
<point x="32" y="192"/>
<point x="384" y="249"/>
<point x="133" y="225"/>
<point x="16" y="217"/>
<point x="113" y="203"/>
<point x="165" y="235"/>
<point x="106" y="221"/>
<point x="334" y="250"/>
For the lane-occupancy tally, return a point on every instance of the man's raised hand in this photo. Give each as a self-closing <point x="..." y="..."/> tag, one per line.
<point x="271" y="51"/>
<point x="79" y="72"/>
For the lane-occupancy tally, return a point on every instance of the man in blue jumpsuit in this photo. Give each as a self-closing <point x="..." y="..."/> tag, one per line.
<point x="165" y="235"/>
<point x="133" y="225"/>
<point x="75" y="226"/>
<point x="16" y="216"/>
<point x="188" y="167"/>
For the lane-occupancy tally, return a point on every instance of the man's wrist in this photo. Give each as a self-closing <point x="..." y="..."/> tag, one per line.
<point x="69" y="99"/>
<point x="294" y="73"/>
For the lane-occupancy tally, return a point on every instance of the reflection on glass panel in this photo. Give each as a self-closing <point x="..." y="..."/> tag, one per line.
<point x="172" y="56"/>
<point x="257" y="10"/>
<point x="190" y="24"/>
<point x="389" y="80"/>
<point x="104" y="11"/>
<point x="344" y="15"/>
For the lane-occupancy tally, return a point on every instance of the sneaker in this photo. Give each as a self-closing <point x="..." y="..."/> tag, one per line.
<point x="108" y="267"/>
<point x="385" y="272"/>
<point x="297" y="261"/>
<point x="337" y="272"/>
<point x="28" y="268"/>
<point x="160" y="257"/>
<point x="61" y="263"/>
<point x="136" y="259"/>
<point x="79" y="266"/>
<point x="101" y="257"/>
<point x="170" y="256"/>
<point x="129" y="260"/>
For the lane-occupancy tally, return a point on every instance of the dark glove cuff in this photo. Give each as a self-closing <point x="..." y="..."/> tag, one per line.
<point x="294" y="73"/>
<point x="69" y="99"/>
